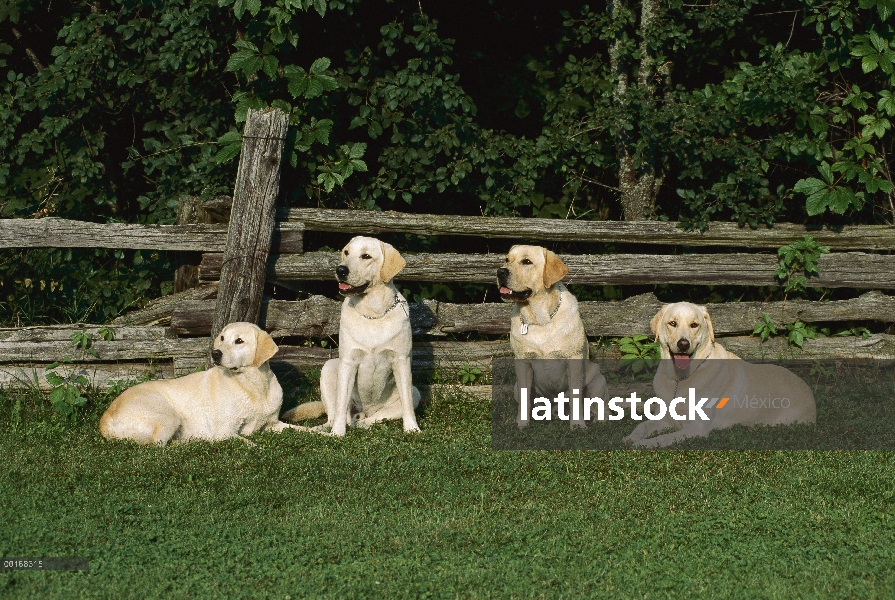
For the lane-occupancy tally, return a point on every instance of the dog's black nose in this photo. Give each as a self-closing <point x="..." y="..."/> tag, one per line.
<point x="341" y="271"/>
<point x="503" y="273"/>
<point x="683" y="344"/>
<point x="216" y="355"/>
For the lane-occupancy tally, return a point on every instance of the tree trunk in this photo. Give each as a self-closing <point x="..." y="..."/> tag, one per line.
<point x="639" y="184"/>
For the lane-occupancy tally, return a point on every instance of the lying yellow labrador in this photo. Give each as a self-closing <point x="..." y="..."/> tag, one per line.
<point x="371" y="380"/>
<point x="546" y="324"/>
<point x="237" y="397"/>
<point x="757" y="394"/>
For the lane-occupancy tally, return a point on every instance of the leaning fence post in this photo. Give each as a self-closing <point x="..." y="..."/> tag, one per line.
<point x="251" y="219"/>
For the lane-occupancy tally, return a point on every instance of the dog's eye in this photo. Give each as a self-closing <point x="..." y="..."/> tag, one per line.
<point x="222" y="338"/>
<point x="366" y="256"/>
<point x="673" y="323"/>
<point x="238" y="341"/>
<point x="345" y="252"/>
<point x="694" y="325"/>
<point x="525" y="261"/>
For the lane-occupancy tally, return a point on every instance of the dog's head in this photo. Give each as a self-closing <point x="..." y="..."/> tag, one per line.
<point x="367" y="262"/>
<point x="242" y="345"/>
<point x="527" y="271"/>
<point x="684" y="331"/>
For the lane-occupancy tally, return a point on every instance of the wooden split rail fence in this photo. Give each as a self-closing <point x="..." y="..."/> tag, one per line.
<point x="228" y="247"/>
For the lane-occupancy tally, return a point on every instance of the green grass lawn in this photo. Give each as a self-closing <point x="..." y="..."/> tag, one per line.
<point x="439" y="514"/>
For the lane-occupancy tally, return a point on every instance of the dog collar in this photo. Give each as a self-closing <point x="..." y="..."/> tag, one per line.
<point x="398" y="300"/>
<point x="524" y="329"/>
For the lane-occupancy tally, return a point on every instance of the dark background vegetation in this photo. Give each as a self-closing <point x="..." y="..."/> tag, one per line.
<point x="753" y="111"/>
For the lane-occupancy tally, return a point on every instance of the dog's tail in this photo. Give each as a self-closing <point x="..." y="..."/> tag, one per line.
<point x="308" y="410"/>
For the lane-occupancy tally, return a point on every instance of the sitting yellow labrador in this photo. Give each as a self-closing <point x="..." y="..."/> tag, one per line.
<point x="371" y="380"/>
<point x="239" y="396"/>
<point x="546" y="324"/>
<point x="757" y="394"/>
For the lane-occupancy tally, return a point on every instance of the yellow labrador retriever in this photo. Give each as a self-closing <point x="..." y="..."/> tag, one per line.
<point x="371" y="380"/>
<point x="239" y="396"/>
<point x="545" y="324"/>
<point x="756" y="394"/>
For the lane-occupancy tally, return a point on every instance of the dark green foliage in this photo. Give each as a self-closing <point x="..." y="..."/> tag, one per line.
<point x="119" y="122"/>
<point x="750" y="111"/>
<point x="801" y="256"/>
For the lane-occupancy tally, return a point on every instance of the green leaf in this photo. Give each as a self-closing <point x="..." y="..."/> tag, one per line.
<point x="227" y="153"/>
<point x="818" y="124"/>
<point x="869" y="63"/>
<point x="57" y="395"/>
<point x="816" y="191"/>
<point x="886" y="103"/>
<point x="357" y="150"/>
<point x="319" y="66"/>
<point x="231" y="137"/>
<point x="269" y="65"/>
<point x="315" y="88"/>
<point x="54" y="379"/>
<point x="247" y="62"/>
<point x="298" y="87"/>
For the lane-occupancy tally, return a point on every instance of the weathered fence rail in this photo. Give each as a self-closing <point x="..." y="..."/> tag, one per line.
<point x="852" y="269"/>
<point x="855" y="237"/>
<point x="51" y="232"/>
<point x="319" y="316"/>
<point x="170" y="336"/>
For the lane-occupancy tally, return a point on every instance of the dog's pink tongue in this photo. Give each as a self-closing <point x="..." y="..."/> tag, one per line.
<point x="506" y="290"/>
<point x="344" y="286"/>
<point x="681" y="361"/>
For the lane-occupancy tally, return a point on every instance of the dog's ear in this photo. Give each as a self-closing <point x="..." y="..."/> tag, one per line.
<point x="708" y="323"/>
<point x="392" y="262"/>
<point x="657" y="320"/>
<point x="265" y="348"/>
<point x="554" y="268"/>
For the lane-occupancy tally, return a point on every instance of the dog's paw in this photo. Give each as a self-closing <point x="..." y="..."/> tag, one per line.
<point x="642" y="443"/>
<point x="521" y="424"/>
<point x="247" y="441"/>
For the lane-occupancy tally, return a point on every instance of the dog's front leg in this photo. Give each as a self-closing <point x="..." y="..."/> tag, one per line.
<point x="577" y="390"/>
<point x="347" y="377"/>
<point x="404" y="383"/>
<point x="524" y="379"/>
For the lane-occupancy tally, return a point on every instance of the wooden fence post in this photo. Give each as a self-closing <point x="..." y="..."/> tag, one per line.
<point x="189" y="211"/>
<point x="252" y="219"/>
